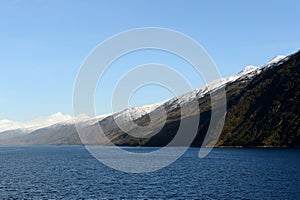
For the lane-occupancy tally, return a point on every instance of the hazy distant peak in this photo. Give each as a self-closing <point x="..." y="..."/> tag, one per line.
<point x="35" y="123"/>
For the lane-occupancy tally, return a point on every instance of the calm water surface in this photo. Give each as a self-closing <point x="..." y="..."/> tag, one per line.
<point x="71" y="173"/>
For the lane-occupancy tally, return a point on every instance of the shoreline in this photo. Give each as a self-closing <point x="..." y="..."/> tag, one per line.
<point x="120" y="146"/>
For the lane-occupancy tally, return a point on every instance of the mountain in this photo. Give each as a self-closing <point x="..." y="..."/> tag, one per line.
<point x="262" y="110"/>
<point x="267" y="110"/>
<point x="34" y="124"/>
<point x="9" y="129"/>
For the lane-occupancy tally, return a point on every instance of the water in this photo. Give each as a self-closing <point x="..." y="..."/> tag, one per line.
<point x="71" y="173"/>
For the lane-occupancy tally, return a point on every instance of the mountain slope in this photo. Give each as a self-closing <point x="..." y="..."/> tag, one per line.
<point x="262" y="110"/>
<point x="267" y="111"/>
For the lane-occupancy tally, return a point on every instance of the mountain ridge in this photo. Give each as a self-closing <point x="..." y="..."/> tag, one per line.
<point x="236" y="86"/>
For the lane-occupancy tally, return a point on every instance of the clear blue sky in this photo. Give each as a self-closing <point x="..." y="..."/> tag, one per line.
<point x="43" y="43"/>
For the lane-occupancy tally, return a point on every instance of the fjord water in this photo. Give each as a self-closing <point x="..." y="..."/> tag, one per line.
<point x="70" y="172"/>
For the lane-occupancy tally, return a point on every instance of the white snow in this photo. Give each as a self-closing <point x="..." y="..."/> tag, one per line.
<point x="248" y="72"/>
<point x="275" y="61"/>
<point x="34" y="124"/>
<point x="136" y="112"/>
<point x="248" y="69"/>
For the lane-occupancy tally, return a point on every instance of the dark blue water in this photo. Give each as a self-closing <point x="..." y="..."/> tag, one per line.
<point x="72" y="173"/>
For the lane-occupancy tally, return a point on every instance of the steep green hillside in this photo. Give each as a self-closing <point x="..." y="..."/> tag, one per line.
<point x="267" y="111"/>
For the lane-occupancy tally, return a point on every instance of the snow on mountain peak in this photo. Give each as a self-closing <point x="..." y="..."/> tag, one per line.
<point x="34" y="124"/>
<point x="249" y="68"/>
<point x="136" y="112"/>
<point x="57" y="117"/>
<point x="248" y="72"/>
<point x="275" y="60"/>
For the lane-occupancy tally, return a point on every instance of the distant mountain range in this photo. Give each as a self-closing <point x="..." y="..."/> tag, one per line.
<point x="263" y="110"/>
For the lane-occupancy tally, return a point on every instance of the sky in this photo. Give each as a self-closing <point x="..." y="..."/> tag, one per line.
<point x="43" y="44"/>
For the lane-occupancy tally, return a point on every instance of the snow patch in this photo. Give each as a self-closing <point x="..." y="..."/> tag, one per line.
<point x="248" y="69"/>
<point x="276" y="60"/>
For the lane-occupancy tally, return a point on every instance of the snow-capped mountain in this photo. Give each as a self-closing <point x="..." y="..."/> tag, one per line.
<point x="60" y="129"/>
<point x="247" y="73"/>
<point x="136" y="112"/>
<point x="9" y="128"/>
<point x="31" y="125"/>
